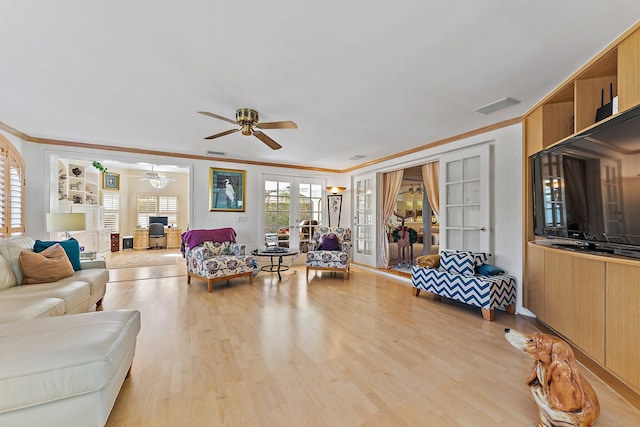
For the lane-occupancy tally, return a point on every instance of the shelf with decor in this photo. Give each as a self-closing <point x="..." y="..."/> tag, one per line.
<point x="81" y="183"/>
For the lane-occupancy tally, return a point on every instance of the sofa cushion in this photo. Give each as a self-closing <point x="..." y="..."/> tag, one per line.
<point x="70" y="246"/>
<point x="12" y="310"/>
<point x="11" y="248"/>
<point x="97" y="279"/>
<point x="74" y="294"/>
<point x="7" y="276"/>
<point x="45" y="267"/>
<point x="457" y="263"/>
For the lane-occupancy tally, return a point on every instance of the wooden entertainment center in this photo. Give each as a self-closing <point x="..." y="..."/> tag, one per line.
<point x="592" y="300"/>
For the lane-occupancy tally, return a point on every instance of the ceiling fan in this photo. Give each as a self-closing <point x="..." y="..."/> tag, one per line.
<point x="156" y="179"/>
<point x="248" y="119"/>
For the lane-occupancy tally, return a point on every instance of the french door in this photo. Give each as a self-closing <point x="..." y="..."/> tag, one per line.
<point x="464" y="186"/>
<point x="364" y="224"/>
<point x="292" y="210"/>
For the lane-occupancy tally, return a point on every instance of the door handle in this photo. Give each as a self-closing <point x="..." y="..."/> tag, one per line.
<point x="481" y="228"/>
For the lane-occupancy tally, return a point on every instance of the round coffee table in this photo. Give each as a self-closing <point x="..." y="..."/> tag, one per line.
<point x="275" y="264"/>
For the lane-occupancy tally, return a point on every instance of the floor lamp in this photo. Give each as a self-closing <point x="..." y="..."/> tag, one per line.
<point x="334" y="202"/>
<point x="66" y="222"/>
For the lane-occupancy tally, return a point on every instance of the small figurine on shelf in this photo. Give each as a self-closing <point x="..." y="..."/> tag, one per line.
<point x="77" y="198"/>
<point x="76" y="171"/>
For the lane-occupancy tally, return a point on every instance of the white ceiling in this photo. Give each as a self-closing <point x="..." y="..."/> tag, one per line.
<point x="358" y="77"/>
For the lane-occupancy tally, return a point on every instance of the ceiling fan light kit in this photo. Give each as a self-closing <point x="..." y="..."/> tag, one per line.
<point x="247" y="119"/>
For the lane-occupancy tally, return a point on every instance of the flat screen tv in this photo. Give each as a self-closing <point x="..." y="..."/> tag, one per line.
<point x="587" y="189"/>
<point x="159" y="219"/>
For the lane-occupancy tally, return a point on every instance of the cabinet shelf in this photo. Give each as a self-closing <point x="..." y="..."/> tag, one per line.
<point x="571" y="109"/>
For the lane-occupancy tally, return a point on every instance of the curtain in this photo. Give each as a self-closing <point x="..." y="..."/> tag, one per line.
<point x="430" y="176"/>
<point x="391" y="183"/>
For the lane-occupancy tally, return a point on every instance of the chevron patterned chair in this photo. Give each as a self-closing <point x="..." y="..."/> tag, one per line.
<point x="456" y="278"/>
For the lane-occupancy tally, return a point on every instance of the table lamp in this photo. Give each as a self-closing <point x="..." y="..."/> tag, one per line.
<point x="66" y="222"/>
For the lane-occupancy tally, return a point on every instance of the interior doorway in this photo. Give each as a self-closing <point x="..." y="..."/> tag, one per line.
<point x="420" y="222"/>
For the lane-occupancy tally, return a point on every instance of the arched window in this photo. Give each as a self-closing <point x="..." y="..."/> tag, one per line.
<point x="11" y="190"/>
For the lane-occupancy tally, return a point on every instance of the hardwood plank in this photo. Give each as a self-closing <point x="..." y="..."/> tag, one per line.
<point x="327" y="353"/>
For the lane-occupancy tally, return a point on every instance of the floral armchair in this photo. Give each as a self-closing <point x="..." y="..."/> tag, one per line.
<point x="330" y="249"/>
<point x="214" y="261"/>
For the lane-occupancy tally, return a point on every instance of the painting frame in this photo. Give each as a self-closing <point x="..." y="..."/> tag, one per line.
<point x="111" y="181"/>
<point x="227" y="190"/>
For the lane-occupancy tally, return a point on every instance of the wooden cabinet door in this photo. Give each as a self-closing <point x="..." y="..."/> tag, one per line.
<point x="141" y="239"/>
<point x="173" y="237"/>
<point x="557" y="291"/>
<point x="575" y="300"/>
<point x="629" y="72"/>
<point x="534" y="280"/>
<point x="587" y="306"/>
<point x="623" y="322"/>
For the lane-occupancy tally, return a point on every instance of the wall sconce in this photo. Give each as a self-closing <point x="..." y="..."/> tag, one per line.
<point x="334" y="202"/>
<point x="66" y="222"/>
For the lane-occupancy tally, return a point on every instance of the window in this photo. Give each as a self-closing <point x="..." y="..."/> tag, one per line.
<point x="156" y="205"/>
<point x="11" y="190"/>
<point x="111" y="204"/>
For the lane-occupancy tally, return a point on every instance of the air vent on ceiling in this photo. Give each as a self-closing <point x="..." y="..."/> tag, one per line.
<point x="216" y="153"/>
<point x="497" y="105"/>
<point x="357" y="157"/>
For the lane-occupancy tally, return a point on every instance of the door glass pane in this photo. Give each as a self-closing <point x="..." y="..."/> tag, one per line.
<point x="454" y="194"/>
<point x="309" y="212"/>
<point x="454" y="238"/>
<point x="471" y="240"/>
<point x="471" y="191"/>
<point x="471" y="168"/>
<point x="277" y="206"/>
<point x="364" y="217"/>
<point x="454" y="216"/>
<point x="471" y="216"/>
<point x="454" y="171"/>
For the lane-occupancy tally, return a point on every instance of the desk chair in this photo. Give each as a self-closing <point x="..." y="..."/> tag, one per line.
<point x="156" y="231"/>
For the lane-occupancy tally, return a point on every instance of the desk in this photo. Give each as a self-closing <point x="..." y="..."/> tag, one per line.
<point x="274" y="267"/>
<point x="141" y="238"/>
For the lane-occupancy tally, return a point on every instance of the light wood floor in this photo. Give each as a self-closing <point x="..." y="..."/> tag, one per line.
<point x="327" y="353"/>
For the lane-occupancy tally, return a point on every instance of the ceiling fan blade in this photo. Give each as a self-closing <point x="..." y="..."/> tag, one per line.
<point x="218" y="135"/>
<point x="215" y="116"/>
<point x="264" y="138"/>
<point x="287" y="124"/>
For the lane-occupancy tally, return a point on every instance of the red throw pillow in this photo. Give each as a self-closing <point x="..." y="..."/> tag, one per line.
<point x="330" y="242"/>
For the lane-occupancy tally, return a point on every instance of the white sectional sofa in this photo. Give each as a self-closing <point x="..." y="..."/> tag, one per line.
<point x="59" y="370"/>
<point x="75" y="294"/>
<point x="66" y="370"/>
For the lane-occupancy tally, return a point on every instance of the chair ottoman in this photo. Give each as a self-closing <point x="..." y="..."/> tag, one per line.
<point x="67" y="370"/>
